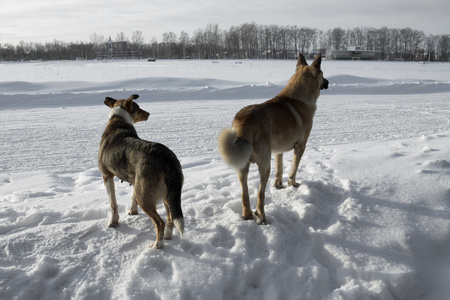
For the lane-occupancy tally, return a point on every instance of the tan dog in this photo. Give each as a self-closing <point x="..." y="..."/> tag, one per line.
<point x="275" y="126"/>
<point x="152" y="169"/>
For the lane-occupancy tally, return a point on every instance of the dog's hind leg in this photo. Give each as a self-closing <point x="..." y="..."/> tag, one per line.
<point x="159" y="225"/>
<point x="243" y="176"/>
<point x="134" y="206"/>
<point x="264" y="172"/>
<point x="279" y="171"/>
<point x="148" y="205"/>
<point x="298" y="153"/>
<point x="110" y="189"/>
<point x="169" y="228"/>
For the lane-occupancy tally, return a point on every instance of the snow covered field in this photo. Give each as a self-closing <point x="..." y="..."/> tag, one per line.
<point x="371" y="219"/>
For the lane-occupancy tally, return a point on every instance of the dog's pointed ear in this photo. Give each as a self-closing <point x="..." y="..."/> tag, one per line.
<point x="129" y="102"/>
<point x="110" y="102"/>
<point x="301" y="61"/>
<point x="317" y="62"/>
<point x="134" y="96"/>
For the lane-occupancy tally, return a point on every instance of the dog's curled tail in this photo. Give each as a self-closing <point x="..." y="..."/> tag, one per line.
<point x="234" y="151"/>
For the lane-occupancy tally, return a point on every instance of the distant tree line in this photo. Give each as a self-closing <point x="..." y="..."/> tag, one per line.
<point x="246" y="41"/>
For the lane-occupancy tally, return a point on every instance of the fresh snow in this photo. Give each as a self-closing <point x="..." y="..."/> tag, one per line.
<point x="371" y="219"/>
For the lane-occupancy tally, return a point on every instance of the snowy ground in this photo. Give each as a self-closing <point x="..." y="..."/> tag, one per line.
<point x="371" y="219"/>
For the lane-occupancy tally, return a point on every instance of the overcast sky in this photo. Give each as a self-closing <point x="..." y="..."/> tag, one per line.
<point x="77" y="20"/>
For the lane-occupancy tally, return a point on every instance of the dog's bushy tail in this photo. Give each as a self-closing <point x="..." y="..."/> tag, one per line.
<point x="179" y="224"/>
<point x="234" y="151"/>
<point x="174" y="185"/>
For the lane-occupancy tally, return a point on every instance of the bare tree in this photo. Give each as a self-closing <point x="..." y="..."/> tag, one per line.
<point x="137" y="42"/>
<point x="169" y="39"/>
<point x="154" y="47"/>
<point x="121" y="44"/>
<point x="305" y="39"/>
<point x="199" y="42"/>
<point x="213" y="40"/>
<point x="184" y="42"/>
<point x="98" y="41"/>
<point x="338" y="38"/>
<point x="383" y="42"/>
<point x="232" y="42"/>
<point x="248" y="33"/>
<point x="315" y="39"/>
<point x="444" y="47"/>
<point x="137" y="38"/>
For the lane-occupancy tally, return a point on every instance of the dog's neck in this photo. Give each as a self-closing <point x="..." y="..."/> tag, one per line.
<point x="120" y="112"/>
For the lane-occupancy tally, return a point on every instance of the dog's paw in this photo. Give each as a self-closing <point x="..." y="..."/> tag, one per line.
<point x="293" y="183"/>
<point x="279" y="185"/>
<point x="247" y="217"/>
<point x="157" y="245"/>
<point x="112" y="224"/>
<point x="168" y="234"/>
<point x="132" y="212"/>
<point x="259" y="220"/>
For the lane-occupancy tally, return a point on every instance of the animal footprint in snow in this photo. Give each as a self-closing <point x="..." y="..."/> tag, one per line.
<point x="223" y="238"/>
<point x="435" y="166"/>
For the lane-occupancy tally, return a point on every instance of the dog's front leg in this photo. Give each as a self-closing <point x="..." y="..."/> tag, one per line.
<point x="298" y="153"/>
<point x="110" y="189"/>
<point x="279" y="171"/>
<point x="134" y="206"/>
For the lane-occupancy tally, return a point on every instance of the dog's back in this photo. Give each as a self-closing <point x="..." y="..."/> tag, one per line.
<point x="122" y="151"/>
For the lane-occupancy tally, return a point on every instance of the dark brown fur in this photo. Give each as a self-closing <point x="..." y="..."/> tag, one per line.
<point x="275" y="126"/>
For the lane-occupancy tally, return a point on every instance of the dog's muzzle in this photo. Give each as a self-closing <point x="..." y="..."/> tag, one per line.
<point x="324" y="84"/>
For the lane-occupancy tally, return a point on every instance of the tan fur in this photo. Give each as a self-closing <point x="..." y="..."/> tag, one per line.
<point x="275" y="126"/>
<point x="152" y="169"/>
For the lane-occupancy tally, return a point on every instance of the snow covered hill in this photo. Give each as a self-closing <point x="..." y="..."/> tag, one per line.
<point x="371" y="219"/>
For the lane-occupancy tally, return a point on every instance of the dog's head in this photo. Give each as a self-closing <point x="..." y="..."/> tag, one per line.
<point x="313" y="71"/>
<point x="306" y="83"/>
<point x="132" y="108"/>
